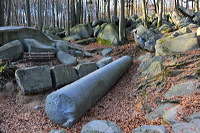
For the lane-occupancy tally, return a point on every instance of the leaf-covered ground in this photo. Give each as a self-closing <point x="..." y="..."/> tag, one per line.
<point x="123" y="104"/>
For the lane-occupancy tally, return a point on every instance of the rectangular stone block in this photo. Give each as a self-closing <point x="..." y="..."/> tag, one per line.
<point x="34" y="79"/>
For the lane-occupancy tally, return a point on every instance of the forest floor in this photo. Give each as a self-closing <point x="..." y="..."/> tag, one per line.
<point x="118" y="105"/>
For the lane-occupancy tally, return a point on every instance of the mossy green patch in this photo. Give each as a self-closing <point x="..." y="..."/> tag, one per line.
<point x="104" y="42"/>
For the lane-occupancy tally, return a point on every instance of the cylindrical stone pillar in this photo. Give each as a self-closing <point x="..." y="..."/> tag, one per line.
<point x="68" y="104"/>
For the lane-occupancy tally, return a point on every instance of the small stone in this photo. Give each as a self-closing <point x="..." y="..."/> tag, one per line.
<point x="106" y="51"/>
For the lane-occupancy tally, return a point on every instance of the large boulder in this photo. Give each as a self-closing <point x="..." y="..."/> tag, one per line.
<point x="192" y="127"/>
<point x="101" y="126"/>
<point x="108" y="35"/>
<point x="181" y="31"/>
<point x="154" y="69"/>
<point x="182" y="89"/>
<point x="32" y="45"/>
<point x="179" y="44"/>
<point x="11" y="33"/>
<point x="62" y="46"/>
<point x="176" y="18"/>
<point x="72" y="38"/>
<point x="34" y="79"/>
<point x="150" y="129"/>
<point x="66" y="59"/>
<point x="97" y="22"/>
<point x="63" y="75"/>
<point x="83" y="30"/>
<point x="11" y="51"/>
<point x="186" y="12"/>
<point x="86" y="68"/>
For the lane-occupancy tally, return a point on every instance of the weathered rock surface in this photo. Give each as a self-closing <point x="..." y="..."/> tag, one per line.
<point x="186" y="12"/>
<point x="72" y="38"/>
<point x="63" y="75"/>
<point x="182" y="89"/>
<point x="181" y="31"/>
<point x="86" y="68"/>
<point x="83" y="30"/>
<point x="101" y="126"/>
<point x="159" y="111"/>
<point x="176" y="18"/>
<point x="11" y="51"/>
<point x="68" y="104"/>
<point x="145" y="57"/>
<point x="192" y="116"/>
<point x="34" y="79"/>
<point x="171" y="114"/>
<point x="154" y="69"/>
<point x="192" y="127"/>
<point x="66" y="59"/>
<point x="32" y="45"/>
<point x="62" y="46"/>
<point x="108" y="35"/>
<point x="179" y="44"/>
<point x="11" y="33"/>
<point x="106" y="51"/>
<point x="150" y="129"/>
<point x="104" y="61"/>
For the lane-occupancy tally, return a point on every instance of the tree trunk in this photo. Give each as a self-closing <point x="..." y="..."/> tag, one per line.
<point x="160" y="13"/>
<point x="196" y="5"/>
<point x="122" y="28"/>
<point x="155" y="8"/>
<point x="68" y="18"/>
<point x="53" y="14"/>
<point x="1" y="13"/>
<point x="8" y="12"/>
<point x="97" y="9"/>
<point x="108" y="10"/>
<point x="73" y="15"/>
<point x="28" y="13"/>
<point x="114" y="19"/>
<point x="40" y="14"/>
<point x="144" y="12"/>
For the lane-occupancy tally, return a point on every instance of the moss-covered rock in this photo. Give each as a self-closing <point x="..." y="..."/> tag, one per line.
<point x="109" y="35"/>
<point x="83" y="30"/>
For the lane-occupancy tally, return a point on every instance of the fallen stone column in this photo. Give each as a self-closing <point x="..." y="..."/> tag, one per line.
<point x="68" y="104"/>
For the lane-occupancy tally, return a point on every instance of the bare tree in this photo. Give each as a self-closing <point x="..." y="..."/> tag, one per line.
<point x="160" y="13"/>
<point x="1" y="12"/>
<point x="40" y="24"/>
<point x="28" y="13"/>
<point x="108" y="10"/>
<point x="114" y="19"/>
<point x="122" y="28"/>
<point x="144" y="12"/>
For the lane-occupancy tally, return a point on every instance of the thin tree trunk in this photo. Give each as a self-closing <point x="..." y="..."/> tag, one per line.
<point x="68" y="18"/>
<point x="28" y="13"/>
<point x="8" y="12"/>
<point x="108" y="10"/>
<point x="97" y="9"/>
<point x="114" y="19"/>
<point x="160" y="13"/>
<point x="144" y="12"/>
<point x="1" y="12"/>
<point x="122" y="28"/>
<point x="40" y="14"/>
<point x="53" y="14"/>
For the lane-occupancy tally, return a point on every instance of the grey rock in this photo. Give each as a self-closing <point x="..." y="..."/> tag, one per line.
<point x="150" y="44"/>
<point x="97" y="30"/>
<point x="104" y="61"/>
<point x="145" y="57"/>
<point x="11" y="51"/>
<point x="85" y="69"/>
<point x="192" y="127"/>
<point x="78" y="53"/>
<point x="182" y="89"/>
<point x="37" y="107"/>
<point x="171" y="114"/>
<point x="192" y="116"/>
<point x="181" y="31"/>
<point x="34" y="79"/>
<point x="97" y="22"/>
<point x="139" y="40"/>
<point x="87" y="54"/>
<point x="63" y="75"/>
<point x="150" y="129"/>
<point x="58" y="131"/>
<point x="83" y="30"/>
<point x="186" y="12"/>
<point x="68" y="104"/>
<point x="106" y="51"/>
<point x="176" y="18"/>
<point x="101" y="126"/>
<point x="72" y="37"/>
<point x="154" y="69"/>
<point x="62" y="46"/>
<point x="11" y="33"/>
<point x="33" y="45"/>
<point x="179" y="44"/>
<point x="159" y="111"/>
<point x="108" y="35"/>
<point x="66" y="58"/>
<point x="144" y="65"/>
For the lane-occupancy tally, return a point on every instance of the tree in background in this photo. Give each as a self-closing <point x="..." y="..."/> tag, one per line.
<point x="122" y="28"/>
<point x="160" y="13"/>
<point x="144" y="7"/>
<point x="1" y="13"/>
<point x="28" y="13"/>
